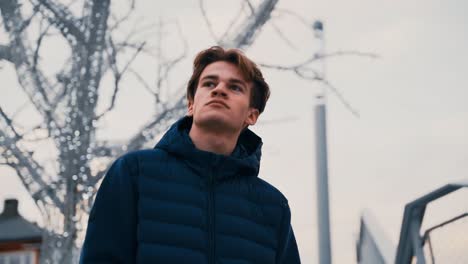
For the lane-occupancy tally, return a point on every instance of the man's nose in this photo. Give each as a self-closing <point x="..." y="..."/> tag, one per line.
<point x="220" y="89"/>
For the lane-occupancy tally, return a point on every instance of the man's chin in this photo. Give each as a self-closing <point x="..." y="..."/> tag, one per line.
<point x="215" y="122"/>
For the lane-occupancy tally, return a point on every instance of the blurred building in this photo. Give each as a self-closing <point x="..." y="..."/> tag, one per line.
<point x="20" y="240"/>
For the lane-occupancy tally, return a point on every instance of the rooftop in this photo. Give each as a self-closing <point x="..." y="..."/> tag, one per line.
<point x="13" y="227"/>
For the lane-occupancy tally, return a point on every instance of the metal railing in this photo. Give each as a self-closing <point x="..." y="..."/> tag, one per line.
<point x="447" y="242"/>
<point x="373" y="247"/>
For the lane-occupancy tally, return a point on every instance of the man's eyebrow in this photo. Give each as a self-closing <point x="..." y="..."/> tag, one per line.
<point x="238" y="81"/>
<point x="232" y="80"/>
<point x="210" y="77"/>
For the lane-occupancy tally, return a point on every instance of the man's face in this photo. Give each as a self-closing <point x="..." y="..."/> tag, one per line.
<point x="222" y="99"/>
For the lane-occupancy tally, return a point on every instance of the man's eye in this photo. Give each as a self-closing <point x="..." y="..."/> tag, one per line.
<point x="236" y="88"/>
<point x="209" y="84"/>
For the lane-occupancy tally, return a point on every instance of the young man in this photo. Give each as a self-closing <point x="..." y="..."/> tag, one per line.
<point x="196" y="198"/>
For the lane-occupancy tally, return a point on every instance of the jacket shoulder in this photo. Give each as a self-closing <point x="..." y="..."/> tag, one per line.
<point x="271" y="192"/>
<point x="143" y="153"/>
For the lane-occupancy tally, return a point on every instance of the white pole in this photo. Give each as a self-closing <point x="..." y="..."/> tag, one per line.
<point x="323" y="212"/>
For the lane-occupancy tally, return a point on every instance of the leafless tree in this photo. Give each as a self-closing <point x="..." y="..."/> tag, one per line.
<point x="67" y="103"/>
<point x="67" y="100"/>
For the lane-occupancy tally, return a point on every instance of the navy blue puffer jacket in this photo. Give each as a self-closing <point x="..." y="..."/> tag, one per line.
<point x="176" y="204"/>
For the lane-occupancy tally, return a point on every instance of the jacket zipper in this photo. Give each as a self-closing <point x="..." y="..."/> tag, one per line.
<point x="211" y="220"/>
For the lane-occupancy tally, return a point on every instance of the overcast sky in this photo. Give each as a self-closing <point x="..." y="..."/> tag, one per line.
<point x="410" y="138"/>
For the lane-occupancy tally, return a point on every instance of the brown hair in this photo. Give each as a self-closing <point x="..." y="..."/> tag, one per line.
<point x="250" y="71"/>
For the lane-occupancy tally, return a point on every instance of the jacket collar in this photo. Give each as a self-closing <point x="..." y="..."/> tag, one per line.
<point x="244" y="161"/>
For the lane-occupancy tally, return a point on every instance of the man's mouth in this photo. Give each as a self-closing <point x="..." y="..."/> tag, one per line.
<point x="216" y="102"/>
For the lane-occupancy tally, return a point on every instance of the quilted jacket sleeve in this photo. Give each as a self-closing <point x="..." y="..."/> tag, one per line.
<point x="288" y="252"/>
<point x="111" y="233"/>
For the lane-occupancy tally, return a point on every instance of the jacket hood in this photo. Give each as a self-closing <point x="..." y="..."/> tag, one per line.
<point x="244" y="161"/>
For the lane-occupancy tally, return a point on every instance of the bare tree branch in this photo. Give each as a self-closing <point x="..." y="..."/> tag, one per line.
<point x="245" y="34"/>
<point x="280" y="11"/>
<point x="283" y="36"/>
<point x="316" y="57"/>
<point x="207" y="22"/>
<point x="118" y="74"/>
<point x="165" y="67"/>
<point x="105" y="149"/>
<point x="317" y="77"/>
<point x="348" y="53"/>
<point x="31" y="80"/>
<point x="136" y="31"/>
<point x="38" y="46"/>
<point x="142" y="81"/>
<point x="98" y="17"/>
<point x="62" y="18"/>
<point x="148" y="132"/>
<point x="304" y="73"/>
<point x="28" y="169"/>
<point x="5" y="53"/>
<point x="27" y="21"/>
<point x="301" y="70"/>
<point x="119" y="21"/>
<point x="236" y="17"/>
<point x="341" y="98"/>
<point x="7" y="123"/>
<point x="251" y="7"/>
<point x="155" y="127"/>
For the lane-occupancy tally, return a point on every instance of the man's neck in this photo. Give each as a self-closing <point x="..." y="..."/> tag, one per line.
<point x="218" y="142"/>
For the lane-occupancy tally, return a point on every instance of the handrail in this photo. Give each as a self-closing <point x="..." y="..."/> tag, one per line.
<point x="411" y="242"/>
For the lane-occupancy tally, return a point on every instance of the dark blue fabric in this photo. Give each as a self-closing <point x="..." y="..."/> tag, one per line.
<point x="176" y="204"/>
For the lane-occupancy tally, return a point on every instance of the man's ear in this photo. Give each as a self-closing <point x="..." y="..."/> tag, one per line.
<point x="190" y="108"/>
<point x="252" y="116"/>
